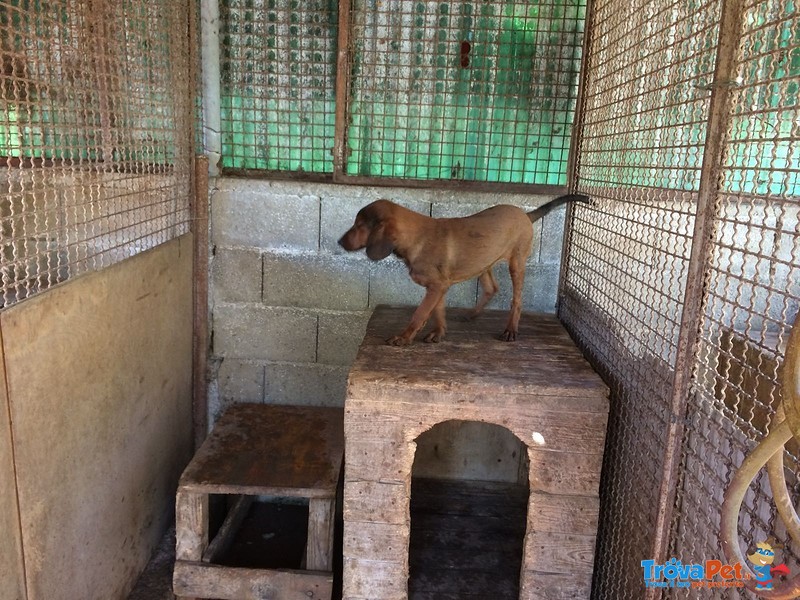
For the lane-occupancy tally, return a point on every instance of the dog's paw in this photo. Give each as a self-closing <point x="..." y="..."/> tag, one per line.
<point x="398" y="340"/>
<point x="434" y="337"/>
<point x="508" y="336"/>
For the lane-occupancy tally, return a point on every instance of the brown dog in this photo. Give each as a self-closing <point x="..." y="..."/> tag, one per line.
<point x="442" y="252"/>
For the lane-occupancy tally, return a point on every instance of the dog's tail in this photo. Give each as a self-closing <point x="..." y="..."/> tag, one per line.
<point x="538" y="213"/>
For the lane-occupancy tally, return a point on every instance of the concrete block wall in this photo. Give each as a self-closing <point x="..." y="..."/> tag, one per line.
<point x="289" y="306"/>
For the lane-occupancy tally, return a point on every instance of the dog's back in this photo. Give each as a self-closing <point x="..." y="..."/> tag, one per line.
<point x="477" y="242"/>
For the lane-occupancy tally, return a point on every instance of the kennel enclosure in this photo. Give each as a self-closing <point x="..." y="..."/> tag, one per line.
<point x="679" y="282"/>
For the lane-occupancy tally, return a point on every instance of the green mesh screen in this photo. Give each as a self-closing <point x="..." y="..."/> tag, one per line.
<point x="475" y="91"/>
<point x="472" y="91"/>
<point x="278" y="84"/>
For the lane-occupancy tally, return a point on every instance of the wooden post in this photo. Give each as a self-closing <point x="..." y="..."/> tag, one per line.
<point x="200" y="302"/>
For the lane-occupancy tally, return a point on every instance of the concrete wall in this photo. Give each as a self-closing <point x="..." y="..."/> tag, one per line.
<point x="290" y="306"/>
<point x="98" y="375"/>
<point x="12" y="575"/>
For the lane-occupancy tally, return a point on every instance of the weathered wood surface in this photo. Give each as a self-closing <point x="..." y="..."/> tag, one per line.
<point x="543" y="360"/>
<point x="551" y="513"/>
<point x="466" y="539"/>
<point x="191" y="531"/>
<point x="201" y="580"/>
<point x="555" y="586"/>
<point x="270" y="450"/>
<point x="260" y="449"/>
<point x="540" y="388"/>
<point x="319" y="548"/>
<point x="562" y="430"/>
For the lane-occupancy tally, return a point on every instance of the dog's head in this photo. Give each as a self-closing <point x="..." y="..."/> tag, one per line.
<point x="373" y="229"/>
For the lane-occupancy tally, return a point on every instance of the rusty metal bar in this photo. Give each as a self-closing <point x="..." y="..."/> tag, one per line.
<point x="200" y="302"/>
<point x="342" y="90"/>
<point x="574" y="149"/>
<point x="694" y="297"/>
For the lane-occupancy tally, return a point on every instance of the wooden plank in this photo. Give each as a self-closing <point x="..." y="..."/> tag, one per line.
<point x="365" y="457"/>
<point x="270" y="450"/>
<point x="228" y="529"/>
<point x="471" y="498"/>
<point x="375" y="579"/>
<point x="557" y="430"/>
<point x="544" y="359"/>
<point x="376" y="502"/>
<point x="564" y="473"/>
<point x="319" y="546"/>
<point x="552" y="513"/>
<point x="532" y="400"/>
<point x="368" y="540"/>
<point x="191" y="525"/>
<point x="547" y="552"/>
<point x="200" y="580"/>
<point x="540" y="389"/>
<point x="556" y="586"/>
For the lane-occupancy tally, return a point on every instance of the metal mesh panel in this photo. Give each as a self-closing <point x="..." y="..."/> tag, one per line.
<point x="95" y="136"/>
<point x="753" y="291"/>
<point x="278" y="78"/>
<point x="640" y="156"/>
<point x="473" y="91"/>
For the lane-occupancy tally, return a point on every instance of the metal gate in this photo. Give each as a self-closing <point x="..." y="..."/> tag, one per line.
<point x="682" y="280"/>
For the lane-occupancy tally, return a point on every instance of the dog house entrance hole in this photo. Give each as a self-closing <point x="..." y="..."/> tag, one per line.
<point x="469" y="499"/>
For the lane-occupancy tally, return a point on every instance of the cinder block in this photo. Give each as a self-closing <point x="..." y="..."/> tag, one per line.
<point x="339" y="213"/>
<point x="539" y="289"/>
<point x="551" y="236"/>
<point x="264" y="219"/>
<point x="267" y="333"/>
<point x="390" y="283"/>
<point x="545" y="287"/>
<point x="305" y="384"/>
<point x="340" y="335"/>
<point x="236" y="275"/>
<point x="315" y="281"/>
<point x="240" y="381"/>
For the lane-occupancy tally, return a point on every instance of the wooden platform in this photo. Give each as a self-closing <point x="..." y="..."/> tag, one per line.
<point x="540" y="388"/>
<point x="256" y="449"/>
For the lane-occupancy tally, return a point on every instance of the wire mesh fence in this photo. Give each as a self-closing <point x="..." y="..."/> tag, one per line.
<point x="278" y="82"/>
<point x="649" y="74"/>
<point x="474" y="91"/>
<point x="753" y="291"/>
<point x="465" y="91"/>
<point x="95" y="136"/>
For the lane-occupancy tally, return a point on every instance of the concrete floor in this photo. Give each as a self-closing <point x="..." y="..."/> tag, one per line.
<point x="155" y="583"/>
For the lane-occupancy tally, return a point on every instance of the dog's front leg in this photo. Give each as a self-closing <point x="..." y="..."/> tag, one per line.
<point x="436" y="334"/>
<point x="432" y="297"/>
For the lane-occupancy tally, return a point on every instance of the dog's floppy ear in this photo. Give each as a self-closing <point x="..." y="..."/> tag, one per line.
<point x="379" y="243"/>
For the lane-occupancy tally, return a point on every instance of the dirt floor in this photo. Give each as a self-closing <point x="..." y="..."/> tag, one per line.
<point x="155" y="582"/>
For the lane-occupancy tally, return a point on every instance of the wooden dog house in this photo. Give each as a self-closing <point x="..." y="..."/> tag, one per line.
<point x="539" y="388"/>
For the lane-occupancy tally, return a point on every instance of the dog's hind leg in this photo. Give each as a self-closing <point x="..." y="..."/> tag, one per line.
<point x="516" y="267"/>
<point x="489" y="287"/>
